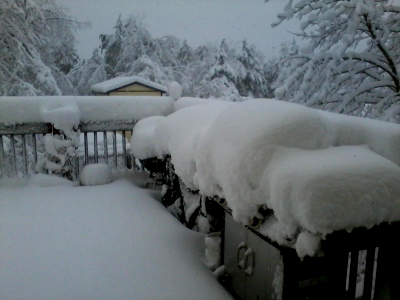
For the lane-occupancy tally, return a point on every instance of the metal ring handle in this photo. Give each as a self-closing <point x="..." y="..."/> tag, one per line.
<point x="240" y="264"/>
<point x="249" y="270"/>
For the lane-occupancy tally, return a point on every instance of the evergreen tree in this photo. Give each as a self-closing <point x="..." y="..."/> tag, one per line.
<point x="271" y="72"/>
<point x="185" y="55"/>
<point x="221" y="78"/>
<point x="135" y="43"/>
<point x="251" y="81"/>
<point x="89" y="73"/>
<point x="112" y="45"/>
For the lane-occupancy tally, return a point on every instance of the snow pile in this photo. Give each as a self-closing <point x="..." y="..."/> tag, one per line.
<point x="331" y="189"/>
<point x="143" y="144"/>
<point x="44" y="180"/>
<point x="179" y="135"/>
<point x="175" y="90"/>
<point x="64" y="116"/>
<point x="119" y="82"/>
<point x="18" y="110"/>
<point x="96" y="174"/>
<point x="213" y="250"/>
<point x="307" y="244"/>
<point x="319" y="172"/>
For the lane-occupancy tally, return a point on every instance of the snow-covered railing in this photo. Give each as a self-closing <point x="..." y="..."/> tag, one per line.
<point x="104" y="123"/>
<point x="322" y="190"/>
<point x="15" y="159"/>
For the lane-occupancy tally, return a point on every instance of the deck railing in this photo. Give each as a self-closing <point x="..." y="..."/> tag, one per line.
<point x="17" y="160"/>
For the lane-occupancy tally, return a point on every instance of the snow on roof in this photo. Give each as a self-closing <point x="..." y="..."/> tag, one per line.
<point x="18" y="110"/>
<point x="119" y="82"/>
<point x="319" y="172"/>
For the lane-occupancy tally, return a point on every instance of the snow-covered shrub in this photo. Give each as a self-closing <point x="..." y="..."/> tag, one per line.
<point x="60" y="152"/>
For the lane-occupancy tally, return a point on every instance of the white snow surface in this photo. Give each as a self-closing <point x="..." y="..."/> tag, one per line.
<point x="190" y="101"/>
<point x="318" y="171"/>
<point x="103" y="242"/>
<point x="115" y="83"/>
<point x="17" y="110"/>
<point x="96" y="174"/>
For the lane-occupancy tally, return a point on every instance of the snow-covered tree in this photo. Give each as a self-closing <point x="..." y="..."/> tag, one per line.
<point x="271" y="71"/>
<point x="111" y="44"/>
<point x="351" y="61"/>
<point x="185" y="55"/>
<point x="251" y="80"/>
<point x="148" y="68"/>
<point x="134" y="44"/>
<point x="131" y="51"/>
<point x="165" y="50"/>
<point x="22" y="72"/>
<point x="221" y="78"/>
<point x="36" y="47"/>
<point x="89" y="73"/>
<point x="202" y="52"/>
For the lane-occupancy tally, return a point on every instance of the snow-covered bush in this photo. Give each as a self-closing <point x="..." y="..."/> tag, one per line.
<point x="60" y="153"/>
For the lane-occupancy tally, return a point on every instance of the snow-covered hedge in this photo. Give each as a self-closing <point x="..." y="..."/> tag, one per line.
<point x="318" y="172"/>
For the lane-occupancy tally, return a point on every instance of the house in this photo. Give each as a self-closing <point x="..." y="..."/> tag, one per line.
<point x="128" y="86"/>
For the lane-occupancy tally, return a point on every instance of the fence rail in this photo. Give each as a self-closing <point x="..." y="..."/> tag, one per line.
<point x="17" y="158"/>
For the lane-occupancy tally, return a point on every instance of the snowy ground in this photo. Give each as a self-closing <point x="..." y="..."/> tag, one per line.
<point x="112" y="241"/>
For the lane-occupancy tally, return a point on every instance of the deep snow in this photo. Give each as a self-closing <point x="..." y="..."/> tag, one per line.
<point x="106" y="242"/>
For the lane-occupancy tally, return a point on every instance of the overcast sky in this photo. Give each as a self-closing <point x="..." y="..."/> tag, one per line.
<point x="198" y="21"/>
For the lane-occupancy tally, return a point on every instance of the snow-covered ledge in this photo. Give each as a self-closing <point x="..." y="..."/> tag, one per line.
<point x="317" y="172"/>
